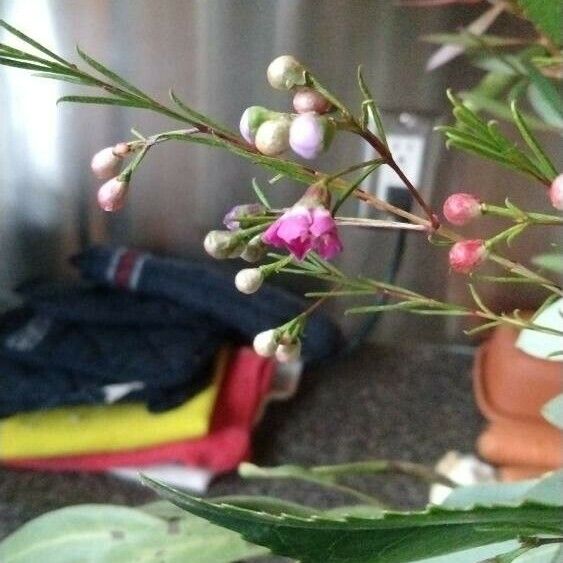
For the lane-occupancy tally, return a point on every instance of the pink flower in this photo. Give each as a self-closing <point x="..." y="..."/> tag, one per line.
<point x="467" y="255"/>
<point x="304" y="228"/>
<point x="112" y="195"/>
<point x="460" y="209"/>
<point x="556" y="192"/>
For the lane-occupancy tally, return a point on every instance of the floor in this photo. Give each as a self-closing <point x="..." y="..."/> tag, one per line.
<point x="411" y="403"/>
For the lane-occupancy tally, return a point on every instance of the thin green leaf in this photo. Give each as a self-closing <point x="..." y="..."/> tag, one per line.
<point x="249" y="470"/>
<point x="352" y="187"/>
<point x="478" y="300"/>
<point x="199" y="117"/>
<point x="481" y="328"/>
<point x="544" y="164"/>
<point x="501" y="110"/>
<point x="371" y="108"/>
<point x="403" y="305"/>
<point x="467" y="40"/>
<point x="32" y="42"/>
<point x="260" y="194"/>
<point x="80" y="80"/>
<point x="129" y="102"/>
<point x="393" y="537"/>
<point x="112" y="75"/>
<point x="22" y="64"/>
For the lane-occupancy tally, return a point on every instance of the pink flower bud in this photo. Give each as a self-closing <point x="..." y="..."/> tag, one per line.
<point x="310" y="134"/>
<point x="232" y="218"/>
<point x="107" y="162"/>
<point x="556" y="192"/>
<point x="307" y="99"/>
<point x="111" y="196"/>
<point x="272" y="137"/>
<point x="285" y="72"/>
<point x="467" y="255"/>
<point x="461" y="208"/>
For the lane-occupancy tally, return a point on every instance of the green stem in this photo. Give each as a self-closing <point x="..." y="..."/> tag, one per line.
<point x="529" y="218"/>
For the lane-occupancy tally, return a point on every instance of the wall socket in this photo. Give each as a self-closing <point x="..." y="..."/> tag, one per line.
<point x="408" y="136"/>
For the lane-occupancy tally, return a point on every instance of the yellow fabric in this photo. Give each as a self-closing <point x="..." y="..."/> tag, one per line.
<point x="107" y="428"/>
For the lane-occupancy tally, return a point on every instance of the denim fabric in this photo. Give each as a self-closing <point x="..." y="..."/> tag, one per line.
<point x="204" y="289"/>
<point x="170" y="362"/>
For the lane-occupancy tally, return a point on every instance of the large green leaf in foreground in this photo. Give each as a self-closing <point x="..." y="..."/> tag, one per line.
<point x="393" y="537"/>
<point x="101" y="533"/>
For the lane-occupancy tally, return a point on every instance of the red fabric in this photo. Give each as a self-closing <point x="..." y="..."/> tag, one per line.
<point x="243" y="390"/>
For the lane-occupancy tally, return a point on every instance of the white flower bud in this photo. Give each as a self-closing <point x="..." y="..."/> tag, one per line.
<point x="111" y="196"/>
<point x="272" y="137"/>
<point x="249" y="280"/>
<point x="266" y="343"/>
<point x="285" y="72"/>
<point x="288" y="352"/>
<point x="222" y="244"/>
<point x="107" y="163"/>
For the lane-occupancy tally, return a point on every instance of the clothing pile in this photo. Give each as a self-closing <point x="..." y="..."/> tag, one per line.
<point x="143" y="365"/>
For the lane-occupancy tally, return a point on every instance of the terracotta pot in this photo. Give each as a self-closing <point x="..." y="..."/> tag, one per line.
<point x="510" y="384"/>
<point x="525" y="444"/>
<point x="520" y="472"/>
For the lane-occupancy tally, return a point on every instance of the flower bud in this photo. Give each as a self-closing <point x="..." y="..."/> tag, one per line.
<point x="310" y="134"/>
<point x="288" y="352"/>
<point x="285" y="72"/>
<point x="111" y="196"/>
<point x="272" y="137"/>
<point x="249" y="280"/>
<point x="107" y="163"/>
<point x="307" y="99"/>
<point x="461" y="208"/>
<point x="556" y="192"/>
<point x="265" y="343"/>
<point x="222" y="244"/>
<point x="252" y="118"/>
<point x="231" y="219"/>
<point x="255" y="250"/>
<point x="467" y="255"/>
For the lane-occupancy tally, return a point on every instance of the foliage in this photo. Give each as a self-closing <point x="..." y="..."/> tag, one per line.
<point x="392" y="537"/>
<point x="115" y="534"/>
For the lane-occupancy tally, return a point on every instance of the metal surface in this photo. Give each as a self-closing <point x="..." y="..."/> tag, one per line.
<point x="214" y="53"/>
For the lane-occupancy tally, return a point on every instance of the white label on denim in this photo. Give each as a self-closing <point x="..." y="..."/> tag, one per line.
<point x="116" y="391"/>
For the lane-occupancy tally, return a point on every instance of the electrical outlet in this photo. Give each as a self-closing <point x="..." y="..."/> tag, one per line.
<point x="408" y="136"/>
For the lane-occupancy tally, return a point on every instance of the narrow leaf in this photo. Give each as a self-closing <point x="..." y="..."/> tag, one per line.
<point x="544" y="164"/>
<point x="260" y="194"/>
<point x="32" y="42"/>
<point x="129" y="102"/>
<point x="111" y="75"/>
<point x="199" y="117"/>
<point x="371" y="107"/>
